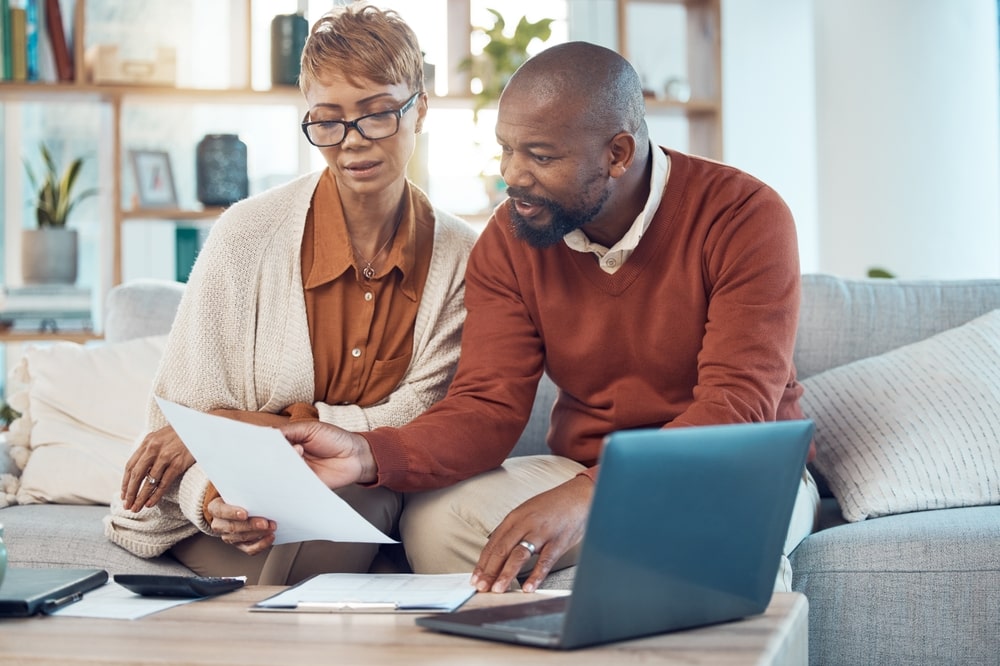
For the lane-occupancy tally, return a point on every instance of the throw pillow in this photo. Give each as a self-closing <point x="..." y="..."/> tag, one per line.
<point x="913" y="429"/>
<point x="82" y="409"/>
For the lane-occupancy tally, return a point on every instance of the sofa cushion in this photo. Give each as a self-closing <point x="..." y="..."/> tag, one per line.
<point x="82" y="409"/>
<point x="916" y="588"/>
<point x="915" y="428"/>
<point x="845" y="320"/>
<point x="60" y="535"/>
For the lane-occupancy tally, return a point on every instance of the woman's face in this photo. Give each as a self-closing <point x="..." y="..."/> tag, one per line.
<point x="366" y="166"/>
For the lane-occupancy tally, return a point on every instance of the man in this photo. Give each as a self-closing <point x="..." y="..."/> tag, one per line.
<point x="655" y="289"/>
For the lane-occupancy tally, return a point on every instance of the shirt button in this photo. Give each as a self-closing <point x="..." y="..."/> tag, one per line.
<point x="612" y="263"/>
<point x="369" y="296"/>
<point x="356" y="353"/>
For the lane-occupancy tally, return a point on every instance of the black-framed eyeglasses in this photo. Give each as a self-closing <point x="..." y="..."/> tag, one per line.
<point x="374" y="126"/>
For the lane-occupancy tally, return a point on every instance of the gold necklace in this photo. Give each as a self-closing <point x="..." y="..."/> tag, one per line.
<point x="369" y="271"/>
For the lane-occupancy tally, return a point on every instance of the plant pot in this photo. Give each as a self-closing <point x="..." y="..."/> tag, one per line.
<point x="49" y="255"/>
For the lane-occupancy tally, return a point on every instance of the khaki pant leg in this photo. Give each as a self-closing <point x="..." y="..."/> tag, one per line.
<point x="291" y="563"/>
<point x="803" y="523"/>
<point x="444" y="531"/>
<point x="210" y="556"/>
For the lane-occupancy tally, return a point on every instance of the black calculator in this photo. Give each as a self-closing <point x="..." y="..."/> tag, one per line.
<point x="153" y="585"/>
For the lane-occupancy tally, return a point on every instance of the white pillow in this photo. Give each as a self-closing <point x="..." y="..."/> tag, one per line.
<point x="83" y="408"/>
<point x="915" y="428"/>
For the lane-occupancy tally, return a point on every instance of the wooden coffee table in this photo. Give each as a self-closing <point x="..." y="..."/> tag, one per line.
<point x="222" y="631"/>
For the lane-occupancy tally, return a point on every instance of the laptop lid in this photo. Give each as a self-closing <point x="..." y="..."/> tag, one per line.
<point x="26" y="591"/>
<point x="686" y="529"/>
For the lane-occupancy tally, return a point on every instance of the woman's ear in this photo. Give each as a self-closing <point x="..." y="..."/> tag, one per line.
<point x="421" y="113"/>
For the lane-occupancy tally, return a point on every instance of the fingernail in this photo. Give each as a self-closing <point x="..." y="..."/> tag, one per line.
<point x="474" y="580"/>
<point x="528" y="588"/>
<point x="498" y="588"/>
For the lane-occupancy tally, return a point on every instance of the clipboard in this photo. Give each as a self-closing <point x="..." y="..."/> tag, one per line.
<point x="372" y="593"/>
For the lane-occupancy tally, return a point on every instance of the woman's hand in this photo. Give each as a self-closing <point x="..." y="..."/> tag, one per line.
<point x="162" y="458"/>
<point x="252" y="535"/>
<point x="547" y="525"/>
<point x="159" y="461"/>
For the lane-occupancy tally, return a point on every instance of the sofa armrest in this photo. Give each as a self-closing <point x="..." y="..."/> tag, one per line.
<point x="7" y="465"/>
<point x="140" y="308"/>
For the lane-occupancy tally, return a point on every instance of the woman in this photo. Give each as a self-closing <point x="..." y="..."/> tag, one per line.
<point x="335" y="297"/>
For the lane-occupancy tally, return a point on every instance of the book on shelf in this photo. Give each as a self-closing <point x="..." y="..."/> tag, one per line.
<point x="17" y="16"/>
<point x="47" y="322"/>
<point x="5" y="63"/>
<point x="36" y="40"/>
<point x="31" y="31"/>
<point x="45" y="298"/>
<point x="56" y="31"/>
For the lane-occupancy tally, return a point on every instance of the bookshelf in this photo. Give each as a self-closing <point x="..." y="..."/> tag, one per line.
<point x="117" y="105"/>
<point x="692" y="88"/>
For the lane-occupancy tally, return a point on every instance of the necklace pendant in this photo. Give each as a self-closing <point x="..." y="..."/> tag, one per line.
<point x="368" y="272"/>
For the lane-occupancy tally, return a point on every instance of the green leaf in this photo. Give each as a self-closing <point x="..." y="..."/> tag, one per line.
<point x="55" y="199"/>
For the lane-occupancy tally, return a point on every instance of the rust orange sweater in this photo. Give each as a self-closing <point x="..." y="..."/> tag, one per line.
<point x="696" y="328"/>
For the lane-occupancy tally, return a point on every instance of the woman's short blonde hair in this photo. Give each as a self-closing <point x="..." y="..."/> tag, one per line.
<point x="362" y="42"/>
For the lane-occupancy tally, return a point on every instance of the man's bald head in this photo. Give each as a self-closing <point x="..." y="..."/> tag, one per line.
<point x="593" y="85"/>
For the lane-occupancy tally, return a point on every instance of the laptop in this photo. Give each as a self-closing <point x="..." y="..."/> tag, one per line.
<point x="25" y="591"/>
<point x="686" y="529"/>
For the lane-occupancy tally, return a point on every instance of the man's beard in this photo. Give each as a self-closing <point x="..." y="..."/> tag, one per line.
<point x="562" y="220"/>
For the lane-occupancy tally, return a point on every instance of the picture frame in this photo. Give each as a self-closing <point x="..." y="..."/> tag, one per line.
<point x="154" y="179"/>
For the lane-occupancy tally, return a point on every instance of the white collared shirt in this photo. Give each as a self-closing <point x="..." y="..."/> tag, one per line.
<point x="611" y="259"/>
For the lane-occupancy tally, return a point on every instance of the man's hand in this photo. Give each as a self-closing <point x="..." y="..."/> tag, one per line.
<point x="157" y="463"/>
<point x="553" y="522"/>
<point x="252" y="535"/>
<point x="338" y="457"/>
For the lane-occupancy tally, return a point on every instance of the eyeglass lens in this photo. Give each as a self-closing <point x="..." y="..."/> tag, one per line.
<point x="373" y="126"/>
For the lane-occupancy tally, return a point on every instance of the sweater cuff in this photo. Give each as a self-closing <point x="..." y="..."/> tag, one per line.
<point x="191" y="497"/>
<point x="391" y="461"/>
<point x="348" y="417"/>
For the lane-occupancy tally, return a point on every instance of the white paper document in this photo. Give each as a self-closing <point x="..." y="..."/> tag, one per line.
<point x="112" y="601"/>
<point x="256" y="468"/>
<point x="360" y="593"/>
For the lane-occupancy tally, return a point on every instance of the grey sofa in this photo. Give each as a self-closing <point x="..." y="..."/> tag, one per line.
<point x="916" y="588"/>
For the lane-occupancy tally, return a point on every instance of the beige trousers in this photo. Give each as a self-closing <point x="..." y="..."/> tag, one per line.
<point x="290" y="563"/>
<point x="444" y="531"/>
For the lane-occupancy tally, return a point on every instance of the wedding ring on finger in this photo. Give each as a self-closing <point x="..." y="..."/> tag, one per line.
<point x="151" y="481"/>
<point x="528" y="546"/>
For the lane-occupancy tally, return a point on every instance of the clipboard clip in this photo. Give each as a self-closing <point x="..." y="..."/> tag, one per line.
<point x="50" y="606"/>
<point x="345" y="606"/>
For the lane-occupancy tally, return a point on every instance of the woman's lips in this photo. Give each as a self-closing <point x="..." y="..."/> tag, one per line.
<point x="362" y="169"/>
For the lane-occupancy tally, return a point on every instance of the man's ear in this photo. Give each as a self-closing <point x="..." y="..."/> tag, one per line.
<point x="622" y="154"/>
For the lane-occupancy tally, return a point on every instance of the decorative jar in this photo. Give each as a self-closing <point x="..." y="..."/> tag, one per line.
<point x="221" y="170"/>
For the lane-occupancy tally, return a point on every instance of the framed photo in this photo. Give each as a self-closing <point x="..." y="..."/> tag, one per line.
<point x="154" y="180"/>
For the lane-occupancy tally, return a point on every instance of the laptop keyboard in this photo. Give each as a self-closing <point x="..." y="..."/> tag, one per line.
<point x="547" y="623"/>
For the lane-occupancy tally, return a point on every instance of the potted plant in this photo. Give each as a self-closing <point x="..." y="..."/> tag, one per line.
<point x="501" y="56"/>
<point x="49" y="253"/>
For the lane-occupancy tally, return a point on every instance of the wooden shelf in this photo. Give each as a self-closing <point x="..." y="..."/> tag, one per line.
<point x="47" y="91"/>
<point x="703" y="75"/>
<point x="70" y="336"/>
<point x="171" y="214"/>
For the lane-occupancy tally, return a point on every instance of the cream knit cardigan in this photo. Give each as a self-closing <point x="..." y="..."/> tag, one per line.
<point x="240" y="340"/>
